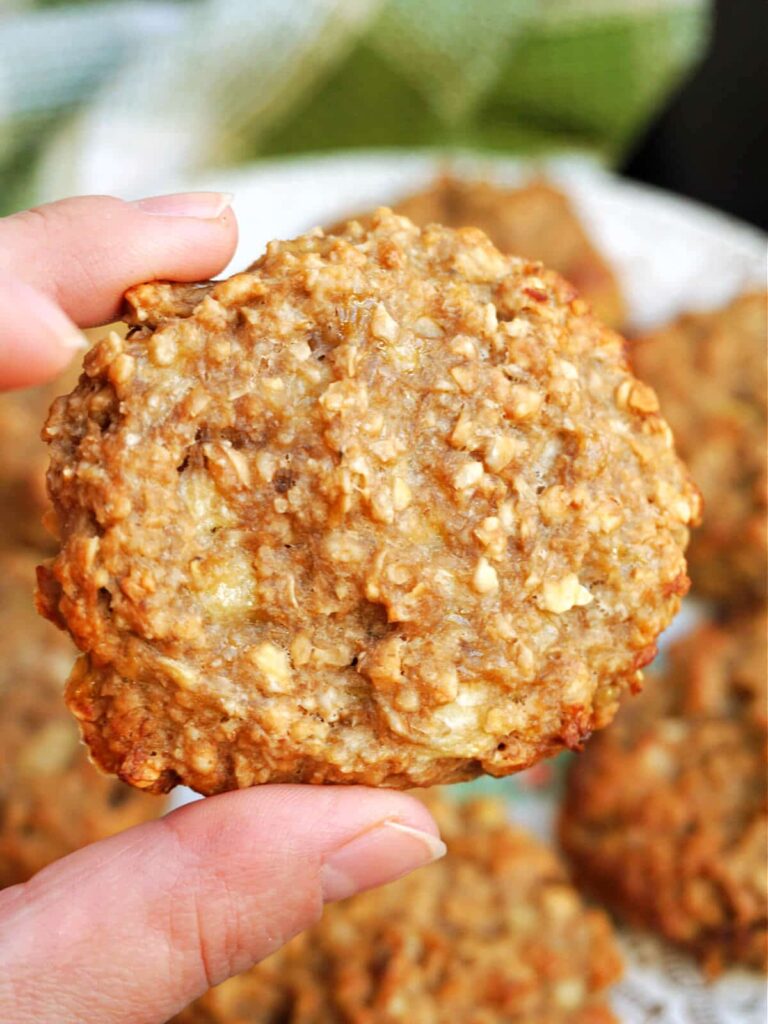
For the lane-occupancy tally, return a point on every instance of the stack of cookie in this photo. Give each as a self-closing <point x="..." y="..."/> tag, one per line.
<point x="665" y="813"/>
<point x="52" y="801"/>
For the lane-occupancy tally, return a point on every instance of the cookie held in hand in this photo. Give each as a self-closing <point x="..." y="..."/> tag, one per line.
<point x="387" y="508"/>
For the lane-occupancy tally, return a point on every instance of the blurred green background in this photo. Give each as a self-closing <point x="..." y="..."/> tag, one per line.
<point x="123" y="96"/>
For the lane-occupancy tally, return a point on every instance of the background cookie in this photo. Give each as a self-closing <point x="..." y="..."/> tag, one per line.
<point x="24" y="457"/>
<point x="665" y="812"/>
<point x="493" y="932"/>
<point x="23" y="462"/>
<point x="388" y="508"/>
<point x="52" y="801"/>
<point x="536" y="221"/>
<point x="709" y="372"/>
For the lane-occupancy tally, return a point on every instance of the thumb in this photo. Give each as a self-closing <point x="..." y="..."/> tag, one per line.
<point x="131" y="929"/>
<point x="70" y="262"/>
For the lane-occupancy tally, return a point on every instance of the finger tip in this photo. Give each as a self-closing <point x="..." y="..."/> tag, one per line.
<point x="357" y="806"/>
<point x="192" y="236"/>
<point x="228" y="237"/>
<point x="204" y="250"/>
<point x="407" y="808"/>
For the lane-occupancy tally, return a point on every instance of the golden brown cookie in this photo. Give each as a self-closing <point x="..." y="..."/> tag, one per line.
<point x="52" y="801"/>
<point x="536" y="221"/>
<point x="387" y="508"/>
<point x="492" y="934"/>
<point x="665" y="813"/>
<point x="710" y="374"/>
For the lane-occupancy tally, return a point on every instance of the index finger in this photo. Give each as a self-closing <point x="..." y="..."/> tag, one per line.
<point x="70" y="262"/>
<point x="85" y="252"/>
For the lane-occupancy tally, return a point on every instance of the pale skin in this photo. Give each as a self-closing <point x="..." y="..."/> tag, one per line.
<point x="131" y="929"/>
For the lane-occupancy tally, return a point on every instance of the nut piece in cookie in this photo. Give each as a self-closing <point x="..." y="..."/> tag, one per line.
<point x="387" y="508"/>
<point x="51" y="800"/>
<point x="709" y="372"/>
<point x="493" y="932"/>
<point x="665" y="813"/>
<point x="536" y="221"/>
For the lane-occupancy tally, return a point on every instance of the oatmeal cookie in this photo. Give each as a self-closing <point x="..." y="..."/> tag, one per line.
<point x="536" y="221"/>
<point x="665" y="813"/>
<point x="386" y="508"/>
<point x="492" y="933"/>
<point x="709" y="372"/>
<point x="51" y="800"/>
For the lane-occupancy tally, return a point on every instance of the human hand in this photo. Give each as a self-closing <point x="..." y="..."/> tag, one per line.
<point x="131" y="929"/>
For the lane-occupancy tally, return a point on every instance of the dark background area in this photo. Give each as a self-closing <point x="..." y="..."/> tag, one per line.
<point x="711" y="142"/>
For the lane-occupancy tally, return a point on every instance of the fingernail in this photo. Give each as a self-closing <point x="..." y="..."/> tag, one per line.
<point x="202" y="205"/>
<point x="381" y="854"/>
<point x="75" y="341"/>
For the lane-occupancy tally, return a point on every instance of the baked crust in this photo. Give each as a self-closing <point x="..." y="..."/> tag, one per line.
<point x="387" y="508"/>
<point x="51" y="800"/>
<point x="665" y="813"/>
<point x="709" y="372"/>
<point x="536" y="221"/>
<point x="493" y="932"/>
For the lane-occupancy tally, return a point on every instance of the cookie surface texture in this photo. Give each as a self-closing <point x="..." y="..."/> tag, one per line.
<point x="536" y="221"/>
<point x="387" y="508"/>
